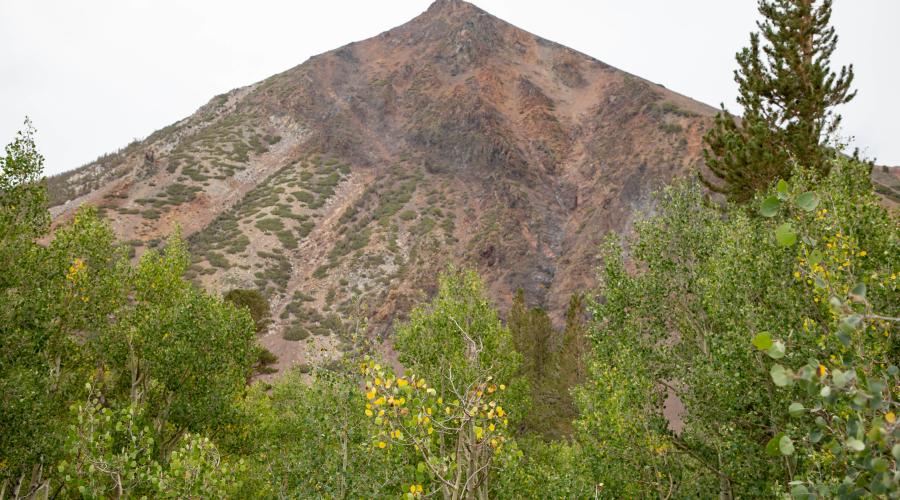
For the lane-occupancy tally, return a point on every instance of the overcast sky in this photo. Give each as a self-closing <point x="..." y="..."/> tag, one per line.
<point x="95" y="74"/>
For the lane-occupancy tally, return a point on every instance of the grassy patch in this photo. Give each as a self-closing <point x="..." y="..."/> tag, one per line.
<point x="270" y="224"/>
<point x="216" y="259"/>
<point x="671" y="128"/>
<point x="295" y="332"/>
<point x="287" y="239"/>
<point x="303" y="197"/>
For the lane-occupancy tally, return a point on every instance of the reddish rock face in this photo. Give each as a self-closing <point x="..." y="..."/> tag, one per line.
<point x="341" y="187"/>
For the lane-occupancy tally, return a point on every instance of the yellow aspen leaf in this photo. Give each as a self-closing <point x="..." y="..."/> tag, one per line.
<point x="382" y="444"/>
<point x="502" y="387"/>
<point x="368" y="413"/>
<point x="479" y="432"/>
<point x="371" y="394"/>
<point x="890" y="417"/>
<point x="401" y="382"/>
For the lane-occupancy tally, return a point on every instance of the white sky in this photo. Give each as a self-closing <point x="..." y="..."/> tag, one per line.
<point x="95" y="74"/>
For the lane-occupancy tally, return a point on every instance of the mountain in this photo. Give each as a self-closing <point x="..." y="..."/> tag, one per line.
<point x="341" y="187"/>
<point x="886" y="181"/>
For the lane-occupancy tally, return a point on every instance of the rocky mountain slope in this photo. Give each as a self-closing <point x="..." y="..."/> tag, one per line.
<point x="341" y="187"/>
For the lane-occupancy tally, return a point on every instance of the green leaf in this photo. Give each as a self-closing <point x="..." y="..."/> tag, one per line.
<point x="842" y="378"/>
<point x="854" y="444"/>
<point x="835" y="304"/>
<point x="780" y="376"/>
<point x="880" y="465"/>
<point x="769" y="207"/>
<point x="781" y="189"/>
<point x="776" y="350"/>
<point x="819" y="282"/>
<point x="895" y="451"/>
<point x="859" y="292"/>
<point x="816" y="435"/>
<point x="807" y="201"/>
<point x="796" y="409"/>
<point x="762" y="341"/>
<point x="843" y="337"/>
<point x="850" y="323"/>
<point x="800" y="491"/>
<point x="772" y="447"/>
<point x="815" y="257"/>
<point x="786" y="446"/>
<point x="785" y="235"/>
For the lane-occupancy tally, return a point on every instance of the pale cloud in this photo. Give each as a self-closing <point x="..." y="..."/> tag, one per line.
<point x="95" y="74"/>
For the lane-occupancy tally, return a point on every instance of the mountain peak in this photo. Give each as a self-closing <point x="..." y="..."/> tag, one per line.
<point x="349" y="182"/>
<point x="454" y="15"/>
<point x="452" y="7"/>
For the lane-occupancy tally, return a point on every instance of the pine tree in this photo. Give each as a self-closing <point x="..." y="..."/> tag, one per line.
<point x="532" y="334"/>
<point x="575" y="345"/>
<point x="552" y="360"/>
<point x="788" y="92"/>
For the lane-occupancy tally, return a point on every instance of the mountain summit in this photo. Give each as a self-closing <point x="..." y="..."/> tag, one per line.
<point x="341" y="187"/>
